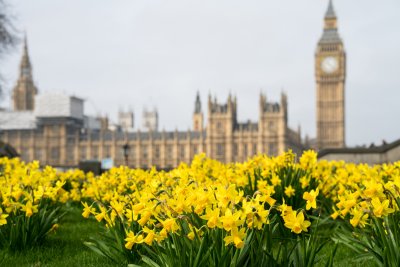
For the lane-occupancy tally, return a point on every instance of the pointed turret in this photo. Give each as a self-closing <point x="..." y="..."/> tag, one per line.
<point x="198" y="115"/>
<point x="330" y="34"/>
<point x="197" y="105"/>
<point x="25" y="90"/>
<point x="330" y="13"/>
<point x="25" y="65"/>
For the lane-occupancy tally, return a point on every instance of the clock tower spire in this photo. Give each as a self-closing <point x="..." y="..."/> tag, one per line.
<point x="25" y="90"/>
<point x="330" y="74"/>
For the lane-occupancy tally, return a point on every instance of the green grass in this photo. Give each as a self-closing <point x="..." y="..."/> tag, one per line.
<point x="344" y="257"/>
<point x="65" y="247"/>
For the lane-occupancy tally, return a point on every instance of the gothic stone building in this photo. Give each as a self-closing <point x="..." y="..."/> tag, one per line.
<point x="58" y="135"/>
<point x="54" y="130"/>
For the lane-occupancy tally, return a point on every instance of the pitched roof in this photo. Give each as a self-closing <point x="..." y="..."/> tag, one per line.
<point x="330" y="36"/>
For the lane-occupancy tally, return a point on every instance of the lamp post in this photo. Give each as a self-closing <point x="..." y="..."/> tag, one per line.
<point x="126" y="149"/>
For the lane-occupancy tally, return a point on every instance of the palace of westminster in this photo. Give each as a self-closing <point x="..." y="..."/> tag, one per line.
<point x="52" y="128"/>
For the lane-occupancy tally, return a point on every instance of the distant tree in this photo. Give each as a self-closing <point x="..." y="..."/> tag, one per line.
<point x="8" y="37"/>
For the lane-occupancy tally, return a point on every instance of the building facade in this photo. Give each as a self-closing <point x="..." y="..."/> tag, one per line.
<point x="65" y="138"/>
<point x="60" y="138"/>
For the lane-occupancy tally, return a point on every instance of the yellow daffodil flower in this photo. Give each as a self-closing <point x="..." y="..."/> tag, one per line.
<point x="295" y="222"/>
<point x="289" y="191"/>
<point x="236" y="237"/>
<point x="381" y="208"/>
<point x="311" y="198"/>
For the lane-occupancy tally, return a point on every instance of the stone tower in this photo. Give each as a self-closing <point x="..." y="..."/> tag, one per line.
<point x="126" y="120"/>
<point x="222" y="121"/>
<point x="150" y="120"/>
<point x="198" y="119"/>
<point x="330" y="73"/>
<point x="24" y="92"/>
<point x="272" y="126"/>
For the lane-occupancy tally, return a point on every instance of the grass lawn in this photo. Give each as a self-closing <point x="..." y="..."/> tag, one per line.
<point x="344" y="257"/>
<point x="65" y="247"/>
<point x="62" y="248"/>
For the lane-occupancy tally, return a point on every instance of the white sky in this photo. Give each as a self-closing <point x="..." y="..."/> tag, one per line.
<point x="131" y="53"/>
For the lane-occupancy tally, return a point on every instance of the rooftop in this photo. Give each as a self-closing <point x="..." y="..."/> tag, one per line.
<point x="17" y="120"/>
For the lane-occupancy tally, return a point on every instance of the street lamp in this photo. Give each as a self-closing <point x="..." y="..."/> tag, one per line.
<point x="126" y="149"/>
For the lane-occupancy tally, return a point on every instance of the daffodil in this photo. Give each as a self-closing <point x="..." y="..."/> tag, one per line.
<point x="311" y="198"/>
<point x="275" y="180"/>
<point x="132" y="239"/>
<point x="87" y="210"/>
<point x="149" y="237"/>
<point x="359" y="218"/>
<point x="117" y="206"/>
<point x="289" y="191"/>
<point x="284" y="209"/>
<point x="308" y="159"/>
<point x="372" y="189"/>
<point x="145" y="216"/>
<point x="3" y="217"/>
<point x="236" y="237"/>
<point x="100" y="216"/>
<point x="29" y="208"/>
<point x="230" y="220"/>
<point x="304" y="181"/>
<point x="295" y="222"/>
<point x="212" y="217"/>
<point x="381" y="208"/>
<point x="170" y="225"/>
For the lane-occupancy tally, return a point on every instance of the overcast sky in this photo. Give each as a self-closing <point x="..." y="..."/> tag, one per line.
<point x="148" y="53"/>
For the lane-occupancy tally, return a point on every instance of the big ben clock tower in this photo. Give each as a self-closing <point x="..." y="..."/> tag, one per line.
<point x="330" y="73"/>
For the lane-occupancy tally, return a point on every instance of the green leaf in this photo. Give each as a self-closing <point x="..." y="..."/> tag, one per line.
<point x="149" y="261"/>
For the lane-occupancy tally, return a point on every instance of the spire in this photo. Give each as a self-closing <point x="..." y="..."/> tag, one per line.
<point x="330" y="13"/>
<point x="25" y="43"/>
<point x="197" y="107"/>
<point x="330" y="34"/>
<point x="25" y="66"/>
<point x="25" y="90"/>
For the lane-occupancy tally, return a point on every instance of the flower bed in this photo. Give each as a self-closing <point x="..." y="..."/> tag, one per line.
<point x="267" y="211"/>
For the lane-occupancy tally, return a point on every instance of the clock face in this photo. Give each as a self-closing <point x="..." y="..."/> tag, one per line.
<point x="329" y="64"/>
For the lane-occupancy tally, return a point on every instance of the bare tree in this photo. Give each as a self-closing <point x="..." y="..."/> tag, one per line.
<point x="8" y="36"/>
